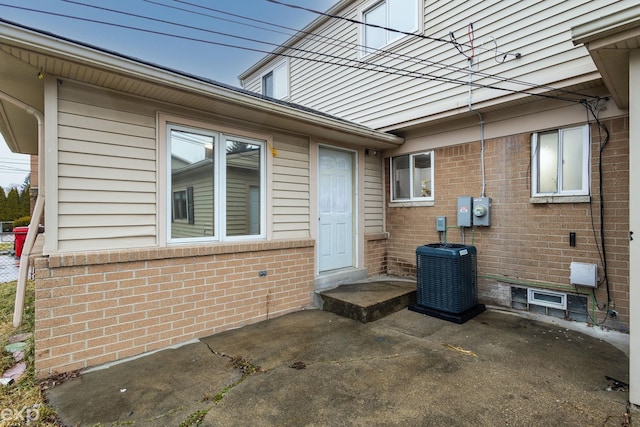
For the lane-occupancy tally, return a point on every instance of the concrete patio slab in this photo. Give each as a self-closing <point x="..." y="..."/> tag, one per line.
<point x="315" y="368"/>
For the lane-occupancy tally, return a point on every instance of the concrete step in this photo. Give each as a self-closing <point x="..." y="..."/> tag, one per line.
<point x="369" y="301"/>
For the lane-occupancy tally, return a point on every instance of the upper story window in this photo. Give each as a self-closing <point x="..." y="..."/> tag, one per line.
<point x="560" y="162"/>
<point x="275" y="83"/>
<point x="412" y="177"/>
<point x="399" y="15"/>
<point x="216" y="185"/>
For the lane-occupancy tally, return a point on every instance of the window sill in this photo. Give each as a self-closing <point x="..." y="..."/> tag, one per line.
<point x="559" y="199"/>
<point x="411" y="204"/>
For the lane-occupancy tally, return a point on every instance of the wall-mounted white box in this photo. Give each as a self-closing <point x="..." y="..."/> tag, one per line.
<point x="584" y="274"/>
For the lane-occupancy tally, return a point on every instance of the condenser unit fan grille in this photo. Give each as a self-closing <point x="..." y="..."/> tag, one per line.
<point x="447" y="277"/>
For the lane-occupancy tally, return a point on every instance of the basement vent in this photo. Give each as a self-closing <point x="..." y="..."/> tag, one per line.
<point x="547" y="298"/>
<point x="577" y="305"/>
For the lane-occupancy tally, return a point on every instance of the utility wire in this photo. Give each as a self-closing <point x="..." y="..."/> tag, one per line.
<point x="452" y="41"/>
<point x="355" y="21"/>
<point x="313" y="36"/>
<point x="358" y="47"/>
<point x="366" y="65"/>
<point x="603" y="143"/>
<point x="362" y="65"/>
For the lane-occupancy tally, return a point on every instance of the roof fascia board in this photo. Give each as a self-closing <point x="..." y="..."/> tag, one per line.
<point x="606" y="26"/>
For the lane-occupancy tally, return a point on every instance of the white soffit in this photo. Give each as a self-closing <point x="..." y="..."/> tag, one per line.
<point x="609" y="40"/>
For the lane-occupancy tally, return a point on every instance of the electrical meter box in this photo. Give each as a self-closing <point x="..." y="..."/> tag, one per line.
<point x="482" y="211"/>
<point x="465" y="206"/>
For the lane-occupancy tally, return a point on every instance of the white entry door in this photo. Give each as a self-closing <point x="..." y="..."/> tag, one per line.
<point x="335" y="210"/>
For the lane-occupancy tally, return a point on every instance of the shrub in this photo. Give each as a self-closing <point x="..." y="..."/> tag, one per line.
<point x="22" y="221"/>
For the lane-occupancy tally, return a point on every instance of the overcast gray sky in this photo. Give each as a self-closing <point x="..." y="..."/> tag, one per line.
<point x="220" y="63"/>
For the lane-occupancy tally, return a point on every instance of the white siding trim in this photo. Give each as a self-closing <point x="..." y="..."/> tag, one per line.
<point x="51" y="163"/>
<point x="634" y="225"/>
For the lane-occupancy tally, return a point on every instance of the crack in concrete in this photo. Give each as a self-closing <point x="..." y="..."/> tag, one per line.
<point x="237" y="362"/>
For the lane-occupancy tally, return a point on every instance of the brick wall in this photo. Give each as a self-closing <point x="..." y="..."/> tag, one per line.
<point x="375" y="254"/>
<point x="526" y="242"/>
<point x="99" y="307"/>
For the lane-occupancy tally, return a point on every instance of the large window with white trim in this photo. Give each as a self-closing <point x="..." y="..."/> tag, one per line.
<point x="215" y="185"/>
<point x="381" y="16"/>
<point x="560" y="162"/>
<point x="412" y="177"/>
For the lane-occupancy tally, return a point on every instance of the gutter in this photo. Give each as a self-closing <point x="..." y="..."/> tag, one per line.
<point x="614" y="23"/>
<point x="38" y="209"/>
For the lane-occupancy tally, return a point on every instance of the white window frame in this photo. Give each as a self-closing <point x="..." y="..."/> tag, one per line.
<point x="586" y="164"/>
<point x="280" y="74"/>
<point x="390" y="36"/>
<point x="411" y="198"/>
<point x="220" y="188"/>
<point x="222" y="192"/>
<point x="536" y="296"/>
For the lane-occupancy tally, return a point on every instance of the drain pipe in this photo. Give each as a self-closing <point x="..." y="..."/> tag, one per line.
<point x="38" y="209"/>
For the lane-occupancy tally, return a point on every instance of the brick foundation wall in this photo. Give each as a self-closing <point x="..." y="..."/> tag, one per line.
<point x="527" y="241"/>
<point x="99" y="307"/>
<point x="375" y="254"/>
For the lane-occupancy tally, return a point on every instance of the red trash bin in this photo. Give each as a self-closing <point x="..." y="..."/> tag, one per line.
<point x="20" y="234"/>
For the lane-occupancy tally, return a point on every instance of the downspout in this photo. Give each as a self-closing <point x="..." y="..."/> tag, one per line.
<point x="37" y="211"/>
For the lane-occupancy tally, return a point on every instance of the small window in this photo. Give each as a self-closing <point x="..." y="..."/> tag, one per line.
<point x="179" y="205"/>
<point x="547" y="298"/>
<point x="267" y="84"/>
<point x="401" y="15"/>
<point x="560" y="162"/>
<point x="412" y="177"/>
<point x="275" y="82"/>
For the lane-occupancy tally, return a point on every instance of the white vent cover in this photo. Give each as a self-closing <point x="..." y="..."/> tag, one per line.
<point x="584" y="274"/>
<point x="547" y="298"/>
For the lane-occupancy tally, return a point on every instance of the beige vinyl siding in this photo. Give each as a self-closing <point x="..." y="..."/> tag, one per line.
<point x="203" y="208"/>
<point x="239" y="182"/>
<point x="290" y="193"/>
<point x="254" y="85"/>
<point x="373" y="194"/>
<point x="106" y="170"/>
<point x="539" y="31"/>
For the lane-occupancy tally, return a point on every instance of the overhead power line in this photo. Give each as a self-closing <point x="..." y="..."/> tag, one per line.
<point x="356" y="46"/>
<point x="451" y="41"/>
<point x="362" y="65"/>
<point x="367" y="24"/>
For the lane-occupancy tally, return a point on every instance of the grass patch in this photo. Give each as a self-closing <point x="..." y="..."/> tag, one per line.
<point x="6" y="246"/>
<point x="246" y="368"/>
<point x="195" y="419"/>
<point x="25" y="395"/>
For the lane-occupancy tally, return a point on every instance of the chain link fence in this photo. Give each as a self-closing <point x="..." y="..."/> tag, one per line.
<point x="9" y="264"/>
